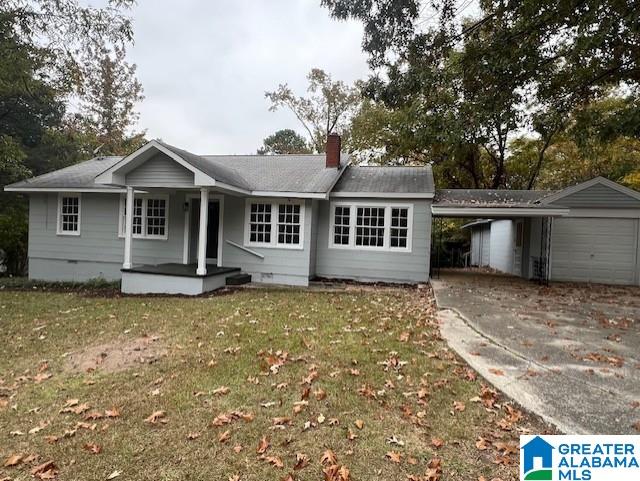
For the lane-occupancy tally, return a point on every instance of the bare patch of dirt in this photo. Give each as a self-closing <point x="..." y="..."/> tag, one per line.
<point x="117" y="355"/>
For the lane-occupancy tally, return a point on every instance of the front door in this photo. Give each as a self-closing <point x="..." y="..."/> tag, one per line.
<point x="212" y="230"/>
<point x="517" y="249"/>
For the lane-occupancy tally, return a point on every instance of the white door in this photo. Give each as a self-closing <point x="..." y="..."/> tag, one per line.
<point x="517" y="248"/>
<point x="595" y="249"/>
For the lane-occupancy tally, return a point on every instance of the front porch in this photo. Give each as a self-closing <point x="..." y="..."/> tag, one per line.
<point x="174" y="278"/>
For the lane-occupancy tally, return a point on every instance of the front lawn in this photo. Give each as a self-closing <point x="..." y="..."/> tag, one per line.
<point x="252" y="385"/>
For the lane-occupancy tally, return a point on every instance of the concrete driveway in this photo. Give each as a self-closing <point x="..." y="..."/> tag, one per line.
<point x="568" y="352"/>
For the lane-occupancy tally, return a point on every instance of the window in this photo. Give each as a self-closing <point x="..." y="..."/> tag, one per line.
<point x="289" y="224"/>
<point x="274" y="224"/>
<point x="370" y="226"/>
<point x="156" y="217"/>
<point x="69" y="214"/>
<point x="150" y="217"/>
<point x="373" y="226"/>
<point x="341" y="225"/>
<point x="399" y="227"/>
<point x="260" y="224"/>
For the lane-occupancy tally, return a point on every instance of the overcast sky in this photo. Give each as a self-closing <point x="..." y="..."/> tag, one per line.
<point x="205" y="65"/>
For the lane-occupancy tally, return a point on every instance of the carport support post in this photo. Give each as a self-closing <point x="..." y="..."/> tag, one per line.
<point x="202" y="234"/>
<point x="128" y="229"/>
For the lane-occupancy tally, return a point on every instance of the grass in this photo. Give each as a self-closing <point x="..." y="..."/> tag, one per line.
<point x="376" y="352"/>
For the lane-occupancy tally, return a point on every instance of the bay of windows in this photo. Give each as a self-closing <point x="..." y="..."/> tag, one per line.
<point x="371" y="226"/>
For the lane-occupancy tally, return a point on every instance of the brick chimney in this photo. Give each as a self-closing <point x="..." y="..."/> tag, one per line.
<point x="333" y="151"/>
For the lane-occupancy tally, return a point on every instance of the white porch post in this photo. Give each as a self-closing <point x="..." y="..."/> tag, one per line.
<point x="128" y="229"/>
<point x="202" y="234"/>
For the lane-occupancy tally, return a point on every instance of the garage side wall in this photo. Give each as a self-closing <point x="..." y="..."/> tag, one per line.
<point x="501" y="249"/>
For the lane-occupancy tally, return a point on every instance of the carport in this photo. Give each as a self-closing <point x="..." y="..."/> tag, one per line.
<point x="521" y="227"/>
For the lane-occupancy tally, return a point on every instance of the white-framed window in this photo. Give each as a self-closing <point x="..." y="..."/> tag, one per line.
<point x="150" y="216"/>
<point x="371" y="226"/>
<point x="274" y="223"/>
<point x="69" y="214"/>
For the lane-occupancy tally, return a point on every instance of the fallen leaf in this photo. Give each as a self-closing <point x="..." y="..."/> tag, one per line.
<point x="263" y="445"/>
<point x="437" y="442"/>
<point x="13" y="460"/>
<point x="114" y="475"/>
<point x="221" y="391"/>
<point x="394" y="456"/>
<point x="93" y="448"/>
<point x="328" y="457"/>
<point x="302" y="461"/>
<point x="224" y="437"/>
<point x="155" y="417"/>
<point x="359" y="423"/>
<point x="496" y="372"/>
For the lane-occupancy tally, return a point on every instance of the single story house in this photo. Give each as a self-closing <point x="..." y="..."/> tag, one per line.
<point x="596" y="241"/>
<point x="199" y="221"/>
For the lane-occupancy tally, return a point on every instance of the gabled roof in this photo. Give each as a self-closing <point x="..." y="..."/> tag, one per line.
<point x="384" y="181"/>
<point x="555" y="197"/>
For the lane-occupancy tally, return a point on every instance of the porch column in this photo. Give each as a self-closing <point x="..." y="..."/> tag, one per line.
<point x="128" y="229"/>
<point x="202" y="234"/>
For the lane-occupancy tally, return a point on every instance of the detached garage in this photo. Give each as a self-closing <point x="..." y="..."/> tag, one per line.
<point x="598" y="241"/>
<point x="586" y="233"/>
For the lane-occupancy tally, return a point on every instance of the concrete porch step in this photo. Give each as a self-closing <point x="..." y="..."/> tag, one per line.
<point x="238" y="279"/>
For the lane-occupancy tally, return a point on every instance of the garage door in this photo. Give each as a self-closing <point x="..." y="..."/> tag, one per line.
<point x="595" y="250"/>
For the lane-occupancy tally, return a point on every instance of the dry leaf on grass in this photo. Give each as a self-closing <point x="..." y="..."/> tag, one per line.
<point x="93" y="448"/>
<point x="394" y="456"/>
<point x="155" y="417"/>
<point x="263" y="445"/>
<point x="13" y="460"/>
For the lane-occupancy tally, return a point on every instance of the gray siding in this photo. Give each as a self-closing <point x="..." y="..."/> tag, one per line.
<point x="97" y="249"/>
<point x="279" y="266"/>
<point x="366" y="265"/>
<point x="599" y="195"/>
<point x="160" y="171"/>
<point x="502" y="241"/>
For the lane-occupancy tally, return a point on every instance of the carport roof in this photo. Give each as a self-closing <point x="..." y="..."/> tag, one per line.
<point x="493" y="203"/>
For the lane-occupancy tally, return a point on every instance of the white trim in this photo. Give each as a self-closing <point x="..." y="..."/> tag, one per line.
<point x="187" y="226"/>
<point x="59" y="230"/>
<point x="290" y="195"/>
<point x="243" y="248"/>
<point x="590" y="183"/>
<point x="203" y="232"/>
<point x="387" y="226"/>
<point x="128" y="229"/>
<point x="64" y="189"/>
<point x="385" y="195"/>
<point x="628" y="213"/>
<point x="275" y="203"/>
<point x="145" y="198"/>
<point x="504" y="212"/>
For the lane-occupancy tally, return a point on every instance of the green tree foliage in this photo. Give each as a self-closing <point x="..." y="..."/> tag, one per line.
<point x="43" y="45"/>
<point x="326" y="109"/>
<point x="469" y="86"/>
<point x="285" y="141"/>
<point x="110" y="93"/>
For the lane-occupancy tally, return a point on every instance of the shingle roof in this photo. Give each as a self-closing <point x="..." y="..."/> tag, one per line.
<point x="77" y="176"/>
<point x="489" y="197"/>
<point x="400" y="180"/>
<point x="265" y="173"/>
<point x="282" y="173"/>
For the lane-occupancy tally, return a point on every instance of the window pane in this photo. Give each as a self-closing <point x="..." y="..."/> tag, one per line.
<point x="341" y="225"/>
<point x="399" y="227"/>
<point x="70" y="214"/>
<point x="289" y="224"/>
<point x="156" y="217"/>
<point x="370" y="226"/>
<point x="260" y="223"/>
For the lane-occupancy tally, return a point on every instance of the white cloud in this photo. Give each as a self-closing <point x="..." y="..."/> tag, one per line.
<point x="205" y="66"/>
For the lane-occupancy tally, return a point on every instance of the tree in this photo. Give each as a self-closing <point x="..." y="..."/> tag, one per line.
<point x="110" y="92"/>
<point x="285" y="141"/>
<point x="326" y="110"/>
<point x="542" y="60"/>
